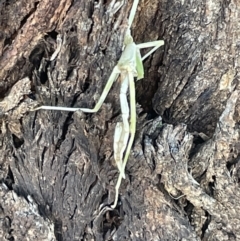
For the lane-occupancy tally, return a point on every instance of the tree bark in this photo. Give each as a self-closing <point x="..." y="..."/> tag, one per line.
<point x="57" y="168"/>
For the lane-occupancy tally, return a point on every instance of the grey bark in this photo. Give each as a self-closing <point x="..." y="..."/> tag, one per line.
<point x="57" y="168"/>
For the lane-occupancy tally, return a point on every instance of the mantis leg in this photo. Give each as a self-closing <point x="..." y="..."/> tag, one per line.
<point x="121" y="134"/>
<point x="114" y="75"/>
<point x="132" y="13"/>
<point x="155" y="44"/>
<point x="132" y="133"/>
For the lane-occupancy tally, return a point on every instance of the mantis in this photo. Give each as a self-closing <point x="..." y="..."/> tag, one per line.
<point x="129" y="66"/>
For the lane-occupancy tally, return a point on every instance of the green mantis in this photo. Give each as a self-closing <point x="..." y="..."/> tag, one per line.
<point x="129" y="66"/>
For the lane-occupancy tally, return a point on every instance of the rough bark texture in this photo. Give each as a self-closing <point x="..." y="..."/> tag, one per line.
<point x="57" y="168"/>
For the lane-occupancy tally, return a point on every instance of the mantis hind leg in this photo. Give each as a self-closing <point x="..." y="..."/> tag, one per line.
<point x="114" y="75"/>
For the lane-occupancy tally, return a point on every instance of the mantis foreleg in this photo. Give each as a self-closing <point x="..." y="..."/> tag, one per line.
<point x="154" y="44"/>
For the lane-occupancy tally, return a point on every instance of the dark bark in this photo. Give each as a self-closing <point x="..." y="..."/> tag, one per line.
<point x="57" y="168"/>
